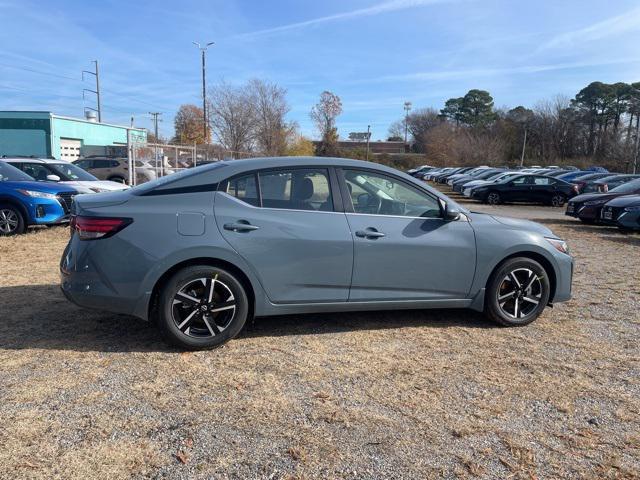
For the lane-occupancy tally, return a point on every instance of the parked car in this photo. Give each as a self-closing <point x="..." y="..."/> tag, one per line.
<point x="526" y="188"/>
<point x="209" y="247"/>
<point x="588" y="206"/>
<point x="116" y="169"/>
<point x="607" y="183"/>
<point x="582" y="181"/>
<point x="414" y="172"/>
<point x="485" y="173"/>
<point x="468" y="188"/>
<point x="25" y="202"/>
<point x="623" y="211"/>
<point x="51" y="170"/>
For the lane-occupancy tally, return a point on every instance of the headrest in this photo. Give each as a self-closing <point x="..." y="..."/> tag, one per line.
<point x="303" y="189"/>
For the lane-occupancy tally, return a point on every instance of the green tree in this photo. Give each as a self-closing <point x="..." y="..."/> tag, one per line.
<point x="477" y="108"/>
<point x="453" y="110"/>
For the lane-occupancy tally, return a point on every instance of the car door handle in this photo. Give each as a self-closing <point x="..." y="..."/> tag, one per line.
<point x="369" y="233"/>
<point x="240" y="227"/>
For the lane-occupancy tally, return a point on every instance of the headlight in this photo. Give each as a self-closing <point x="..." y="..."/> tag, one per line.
<point x="558" y="244"/>
<point x="635" y="208"/>
<point x="31" y="193"/>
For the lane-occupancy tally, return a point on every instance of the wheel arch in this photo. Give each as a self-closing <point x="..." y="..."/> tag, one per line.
<point x="209" y="261"/>
<point x="538" y="257"/>
<point x="15" y="203"/>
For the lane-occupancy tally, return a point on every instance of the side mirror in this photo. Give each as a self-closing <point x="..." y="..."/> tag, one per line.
<point x="449" y="212"/>
<point x="53" y="178"/>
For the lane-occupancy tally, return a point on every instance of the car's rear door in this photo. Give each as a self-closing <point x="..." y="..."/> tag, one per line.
<point x="287" y="225"/>
<point x="403" y="248"/>
<point x="520" y="189"/>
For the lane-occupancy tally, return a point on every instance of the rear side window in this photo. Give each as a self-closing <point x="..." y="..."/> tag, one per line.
<point x="296" y="189"/>
<point x="244" y="188"/>
<point x="542" y="181"/>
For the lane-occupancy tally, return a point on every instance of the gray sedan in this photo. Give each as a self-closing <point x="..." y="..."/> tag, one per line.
<point x="203" y="250"/>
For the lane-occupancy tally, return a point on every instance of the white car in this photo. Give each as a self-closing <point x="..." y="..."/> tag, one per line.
<point x="50" y="170"/>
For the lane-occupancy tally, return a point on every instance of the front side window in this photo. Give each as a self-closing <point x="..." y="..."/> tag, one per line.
<point x="377" y="194"/>
<point x="244" y="188"/>
<point x="35" y="170"/>
<point x="297" y="189"/>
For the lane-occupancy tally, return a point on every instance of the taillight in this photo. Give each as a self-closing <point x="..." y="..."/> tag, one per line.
<point x="94" y="228"/>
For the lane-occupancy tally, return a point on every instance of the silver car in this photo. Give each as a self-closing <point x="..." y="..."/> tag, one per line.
<point x="205" y="249"/>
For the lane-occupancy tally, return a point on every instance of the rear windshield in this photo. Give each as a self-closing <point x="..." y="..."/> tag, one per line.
<point x="10" y="173"/>
<point x="629" y="187"/>
<point x="174" y="177"/>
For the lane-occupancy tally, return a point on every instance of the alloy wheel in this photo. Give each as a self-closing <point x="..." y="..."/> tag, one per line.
<point x="493" y="198"/>
<point x="557" y="200"/>
<point x="520" y="293"/>
<point x="8" y="221"/>
<point x="203" y="307"/>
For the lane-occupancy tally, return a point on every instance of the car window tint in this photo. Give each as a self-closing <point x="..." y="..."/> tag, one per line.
<point x="35" y="170"/>
<point x="244" y="188"/>
<point x="378" y="194"/>
<point x="520" y="181"/>
<point x="542" y="181"/>
<point x="297" y="189"/>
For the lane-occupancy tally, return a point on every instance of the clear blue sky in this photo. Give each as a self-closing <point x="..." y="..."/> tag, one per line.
<point x="374" y="54"/>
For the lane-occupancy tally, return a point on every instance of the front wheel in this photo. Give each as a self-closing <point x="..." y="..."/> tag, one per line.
<point x="493" y="198"/>
<point x="201" y="307"/>
<point x="11" y="221"/>
<point x="517" y="292"/>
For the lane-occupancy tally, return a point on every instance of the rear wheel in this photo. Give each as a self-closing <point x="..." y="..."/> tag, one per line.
<point x="11" y="220"/>
<point x="558" y="200"/>
<point x="493" y="198"/>
<point x="517" y="292"/>
<point x="202" y="307"/>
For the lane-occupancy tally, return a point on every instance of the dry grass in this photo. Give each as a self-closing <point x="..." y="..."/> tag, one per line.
<point x="375" y="395"/>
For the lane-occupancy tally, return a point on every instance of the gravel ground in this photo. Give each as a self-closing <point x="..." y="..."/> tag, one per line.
<point x="398" y="395"/>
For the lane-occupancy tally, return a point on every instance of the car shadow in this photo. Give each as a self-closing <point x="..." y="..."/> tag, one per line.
<point x="39" y="317"/>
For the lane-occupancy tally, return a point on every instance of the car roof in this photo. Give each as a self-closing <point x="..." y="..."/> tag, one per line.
<point x="32" y="160"/>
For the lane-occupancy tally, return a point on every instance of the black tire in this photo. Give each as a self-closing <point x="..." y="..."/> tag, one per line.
<point x="118" y="179"/>
<point x="195" y="333"/>
<point x="11" y="220"/>
<point x="502" y="310"/>
<point x="493" y="198"/>
<point x="558" y="200"/>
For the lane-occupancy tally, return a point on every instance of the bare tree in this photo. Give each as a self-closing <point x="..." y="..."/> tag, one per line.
<point x="232" y="117"/>
<point x="324" y="114"/>
<point x="270" y="108"/>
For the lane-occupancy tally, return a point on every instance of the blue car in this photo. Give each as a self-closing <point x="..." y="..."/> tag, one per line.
<point x="24" y="202"/>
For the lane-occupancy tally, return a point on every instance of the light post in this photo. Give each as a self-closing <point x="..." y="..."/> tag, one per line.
<point x="368" y="137"/>
<point x="407" y="108"/>
<point x="203" y="50"/>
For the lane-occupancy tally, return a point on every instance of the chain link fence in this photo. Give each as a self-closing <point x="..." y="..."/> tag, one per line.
<point x="154" y="160"/>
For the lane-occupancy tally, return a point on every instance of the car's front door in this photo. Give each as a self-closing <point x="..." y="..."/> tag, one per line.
<point x="518" y="190"/>
<point x="403" y="248"/>
<point x="284" y="224"/>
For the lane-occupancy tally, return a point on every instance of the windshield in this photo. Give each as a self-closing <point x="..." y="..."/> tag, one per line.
<point x="9" y="173"/>
<point x="629" y="187"/>
<point x="69" y="171"/>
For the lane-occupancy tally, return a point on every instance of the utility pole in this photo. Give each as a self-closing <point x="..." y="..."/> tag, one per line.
<point x="96" y="74"/>
<point x="637" y="147"/>
<point x="524" y="145"/>
<point x="407" y="108"/>
<point x="203" y="51"/>
<point x="368" y="137"/>
<point x="155" y="116"/>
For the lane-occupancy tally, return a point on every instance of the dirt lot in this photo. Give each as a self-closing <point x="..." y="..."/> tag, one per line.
<point x="424" y="394"/>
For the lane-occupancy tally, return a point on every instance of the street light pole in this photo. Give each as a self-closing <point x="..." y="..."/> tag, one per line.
<point x="203" y="50"/>
<point x="368" y="137"/>
<point x="524" y="146"/>
<point x="407" y="108"/>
